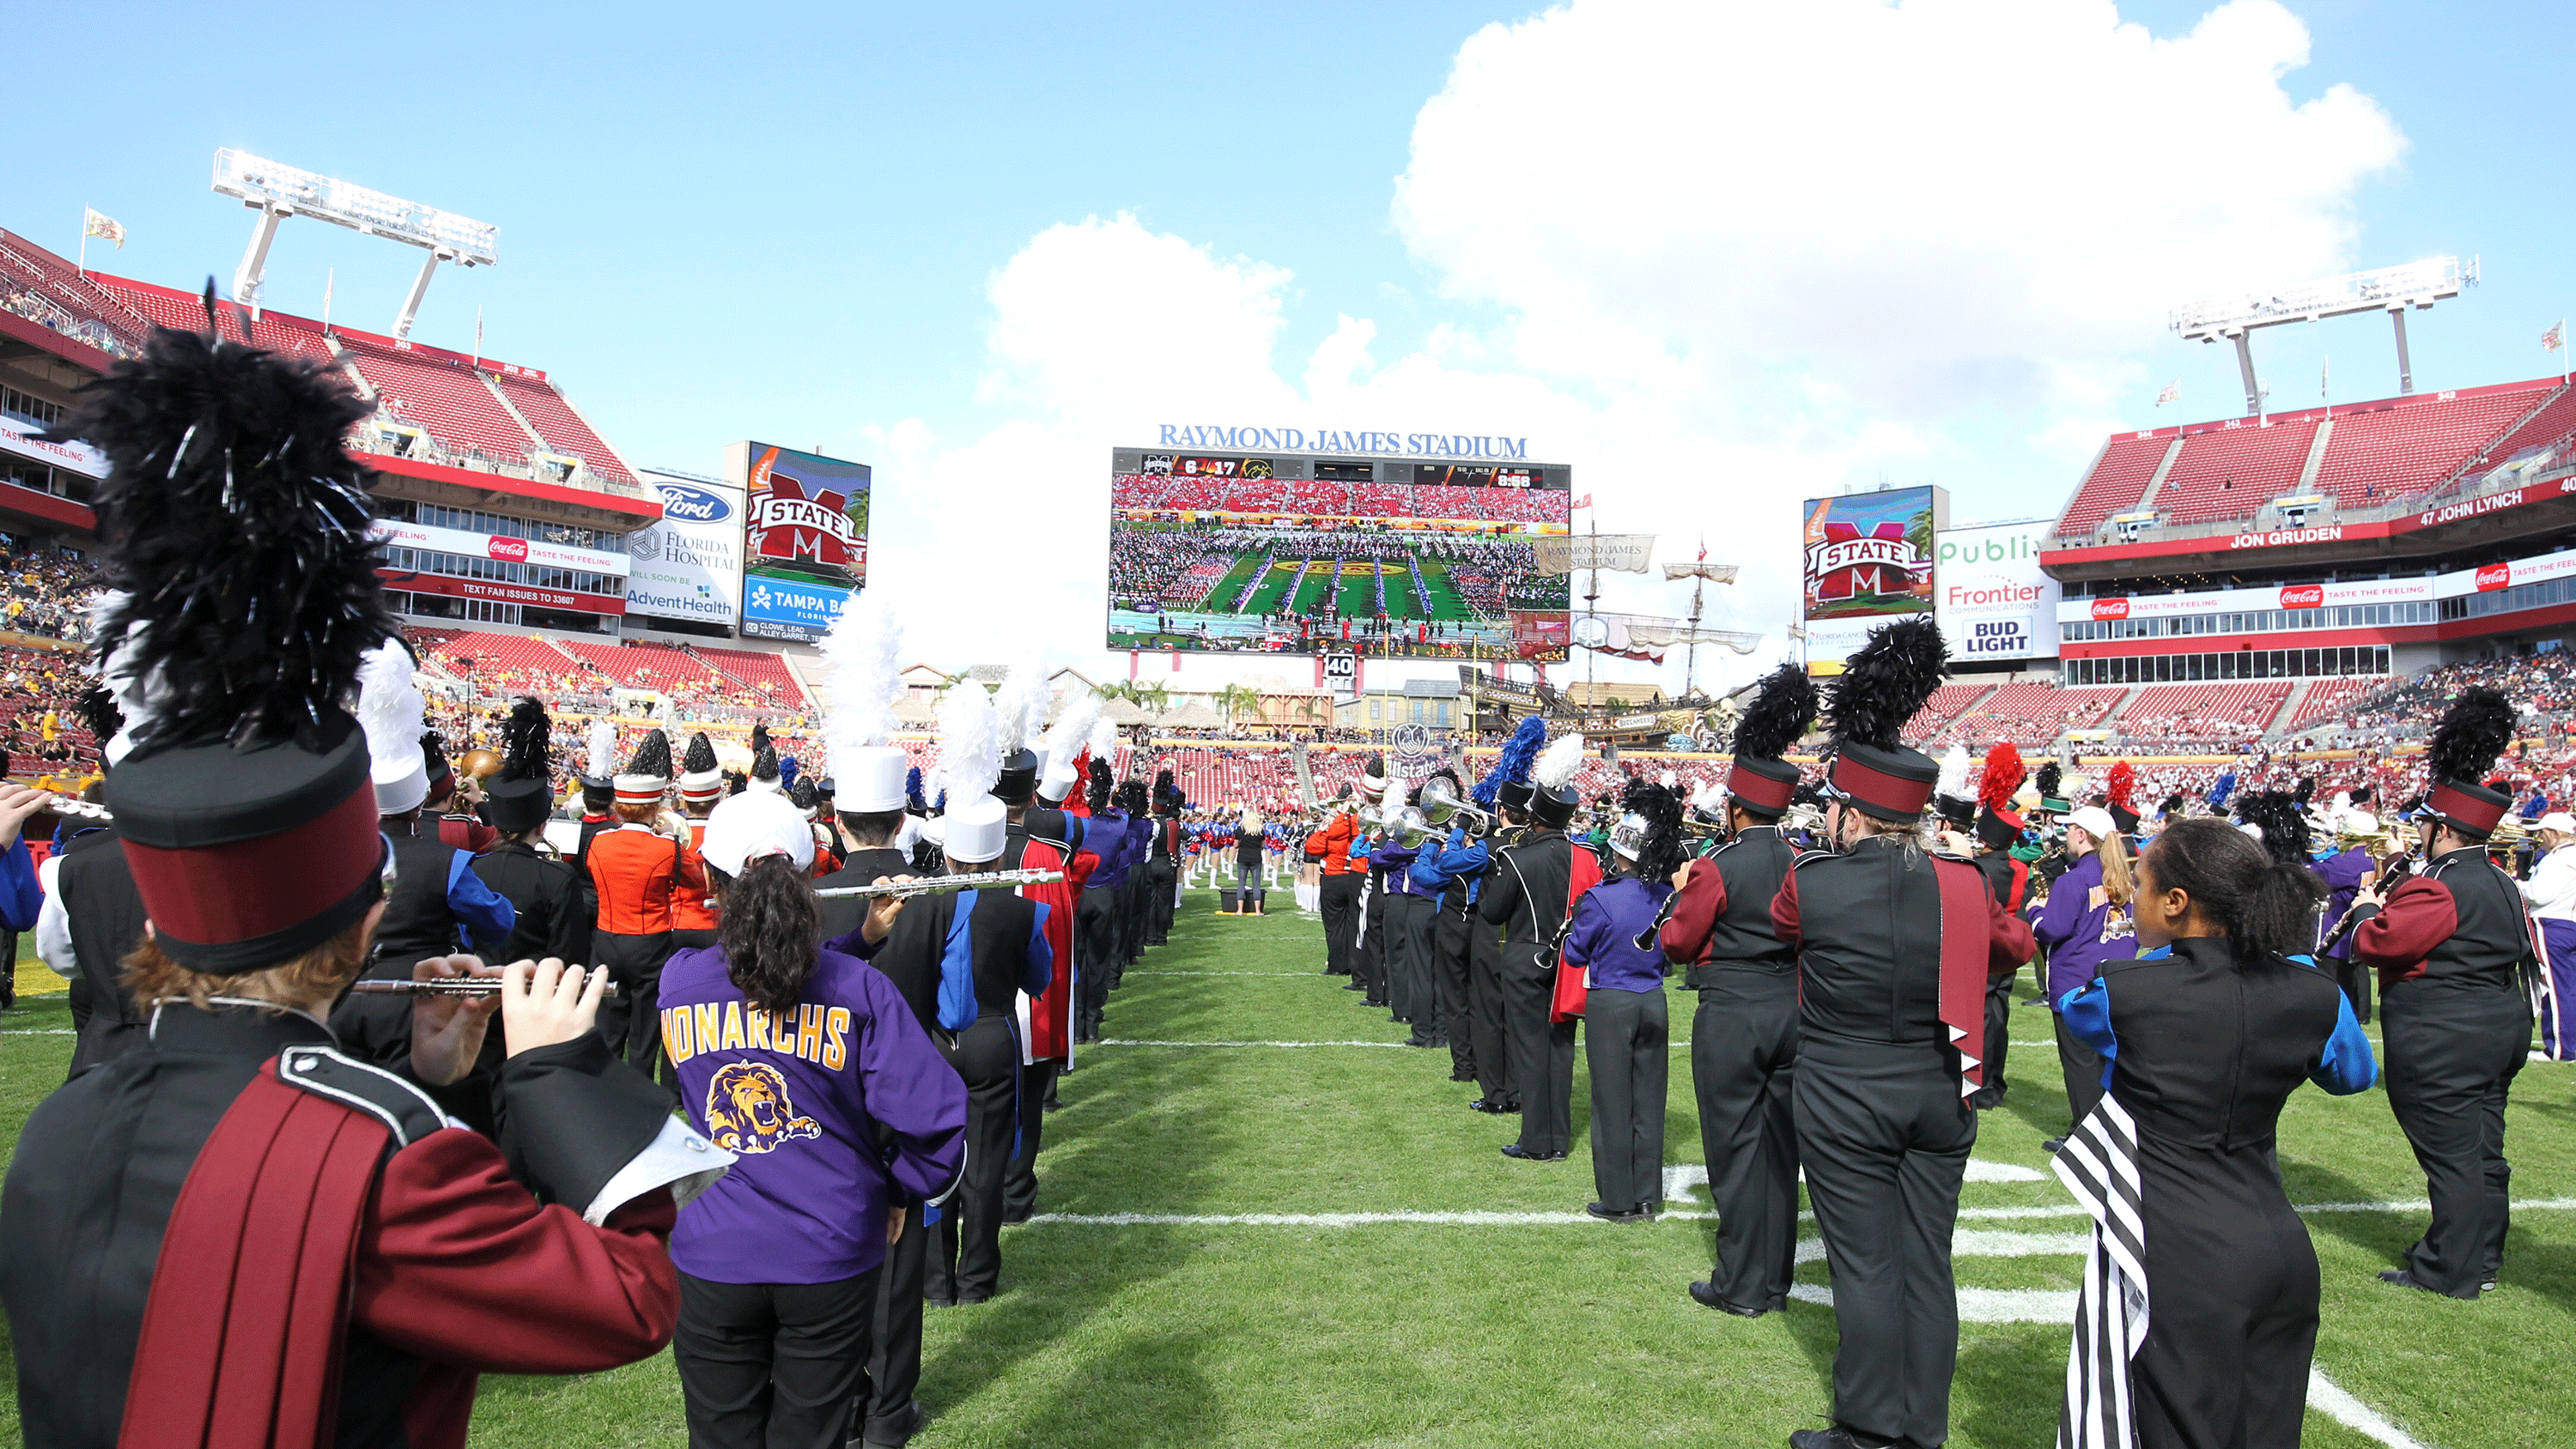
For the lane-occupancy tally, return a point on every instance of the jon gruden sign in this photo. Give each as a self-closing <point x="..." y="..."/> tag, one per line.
<point x="1990" y="598"/>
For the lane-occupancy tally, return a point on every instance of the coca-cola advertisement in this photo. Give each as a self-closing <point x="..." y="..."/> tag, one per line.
<point x="805" y="539"/>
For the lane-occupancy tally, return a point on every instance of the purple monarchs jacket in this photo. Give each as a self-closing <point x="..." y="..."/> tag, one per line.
<point x="833" y="1111"/>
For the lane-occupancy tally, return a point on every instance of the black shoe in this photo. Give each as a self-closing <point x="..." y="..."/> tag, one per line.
<point x="2404" y="1279"/>
<point x="1840" y="1436"/>
<point x="1013" y="1217"/>
<point x="1705" y="1295"/>
<point x="893" y="1431"/>
<point x="969" y="1300"/>
<point x="1514" y="1149"/>
<point x="930" y="1300"/>
<point x="1619" y="1215"/>
<point x="1511" y="1108"/>
<point x="2488" y="1286"/>
<point x="1462" y="1076"/>
<point x="1413" y="1042"/>
<point x="1352" y="985"/>
<point x="1479" y="1104"/>
<point x="2052" y="1144"/>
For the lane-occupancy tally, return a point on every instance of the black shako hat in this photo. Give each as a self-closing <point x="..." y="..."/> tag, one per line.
<point x="1019" y="778"/>
<point x="2474" y="730"/>
<point x="1760" y="781"/>
<point x="1880" y="688"/>
<point x="245" y="600"/>
<point x="522" y="793"/>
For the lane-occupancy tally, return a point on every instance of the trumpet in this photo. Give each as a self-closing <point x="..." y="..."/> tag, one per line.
<point x="73" y="805"/>
<point x="936" y="885"/>
<point x="1440" y="804"/>
<point x="447" y="986"/>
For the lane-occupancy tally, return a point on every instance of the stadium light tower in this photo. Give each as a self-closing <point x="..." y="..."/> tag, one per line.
<point x="277" y="192"/>
<point x="2388" y="289"/>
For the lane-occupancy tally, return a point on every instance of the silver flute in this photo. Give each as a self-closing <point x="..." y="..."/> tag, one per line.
<point x="934" y="885"/>
<point x="446" y="986"/>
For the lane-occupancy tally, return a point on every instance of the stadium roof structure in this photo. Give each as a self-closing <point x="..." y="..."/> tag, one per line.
<point x="463" y="423"/>
<point x="2397" y="476"/>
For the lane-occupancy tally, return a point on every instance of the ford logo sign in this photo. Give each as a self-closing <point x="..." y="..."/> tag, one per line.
<point x="693" y="505"/>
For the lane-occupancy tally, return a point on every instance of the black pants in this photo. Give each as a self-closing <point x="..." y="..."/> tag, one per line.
<point x="1485" y="1014"/>
<point x="1885" y="1138"/>
<point x="2083" y="1068"/>
<point x="968" y="1264"/>
<point x="1369" y="962"/>
<point x="772" y="1365"/>
<point x="1095" y="924"/>
<point x="1416" y="920"/>
<point x="1450" y="954"/>
<point x="1542" y="1051"/>
<point x="894" y="1349"/>
<point x="1020" y="1178"/>
<point x="1744" y="1057"/>
<point x="2452" y="1055"/>
<point x="631" y="1020"/>
<point x="1337" y="901"/>
<point x="2233" y="1327"/>
<point x="2354" y="978"/>
<point x="1999" y="1000"/>
<point x="1627" y="1042"/>
<point x="1158" y="902"/>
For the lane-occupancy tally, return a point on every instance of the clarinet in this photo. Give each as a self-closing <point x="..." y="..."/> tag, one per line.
<point x="2398" y="869"/>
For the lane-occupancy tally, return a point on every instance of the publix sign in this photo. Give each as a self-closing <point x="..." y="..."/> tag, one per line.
<point x="1989" y="596"/>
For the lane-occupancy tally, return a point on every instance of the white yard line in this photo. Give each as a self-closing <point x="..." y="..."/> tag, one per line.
<point x="2329" y="1399"/>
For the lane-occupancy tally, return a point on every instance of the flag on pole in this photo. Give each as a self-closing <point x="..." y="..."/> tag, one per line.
<point x="1583" y="502"/>
<point x="478" y="335"/>
<point x="2325" y="374"/>
<point x="105" y="228"/>
<point x="2172" y="393"/>
<point x="2555" y="338"/>
<point x="330" y="279"/>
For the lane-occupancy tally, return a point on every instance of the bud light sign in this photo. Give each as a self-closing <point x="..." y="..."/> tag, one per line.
<point x="1990" y="598"/>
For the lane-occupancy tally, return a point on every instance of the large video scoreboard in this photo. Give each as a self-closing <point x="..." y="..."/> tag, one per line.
<point x="1294" y="553"/>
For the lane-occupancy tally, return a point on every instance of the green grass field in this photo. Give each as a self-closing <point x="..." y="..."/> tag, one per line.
<point x="1183" y="1285"/>
<point x="1356" y="591"/>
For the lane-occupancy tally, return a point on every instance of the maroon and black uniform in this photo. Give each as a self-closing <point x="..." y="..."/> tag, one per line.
<point x="1744" y="1049"/>
<point x="2448" y="945"/>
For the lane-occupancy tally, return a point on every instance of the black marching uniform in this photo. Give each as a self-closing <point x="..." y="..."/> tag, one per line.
<point x="1744" y="1055"/>
<point x="2449" y="945"/>
<point x="1486" y="995"/>
<point x="1883" y="1130"/>
<point x="1527" y="896"/>
<point x="554" y="920"/>
<point x="105" y="914"/>
<point x="2209" y="1050"/>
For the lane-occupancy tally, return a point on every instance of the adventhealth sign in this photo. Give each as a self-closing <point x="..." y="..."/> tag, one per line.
<point x="1328" y="440"/>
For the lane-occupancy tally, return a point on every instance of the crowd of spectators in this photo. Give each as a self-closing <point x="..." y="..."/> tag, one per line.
<point x="47" y="591"/>
<point x="1318" y="498"/>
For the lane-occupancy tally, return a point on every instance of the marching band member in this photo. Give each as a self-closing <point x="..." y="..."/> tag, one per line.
<point x="544" y="896"/>
<point x="1531" y="894"/>
<point x="1627" y="1028"/>
<point x="2552" y="894"/>
<point x="1894" y="949"/>
<point x="2450" y="943"/>
<point x="1337" y="892"/>
<point x="2205" y="1035"/>
<point x="2344" y="874"/>
<point x="702" y="785"/>
<point x="1505" y="791"/>
<point x="1452" y="873"/>
<point x="1998" y="829"/>
<point x="280" y="1241"/>
<point x="1744" y="1035"/>
<point x="2085" y="923"/>
<point x="808" y="1065"/>
<point x="639" y="869"/>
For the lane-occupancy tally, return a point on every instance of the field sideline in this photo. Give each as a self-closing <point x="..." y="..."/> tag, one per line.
<point x="1263" y="1223"/>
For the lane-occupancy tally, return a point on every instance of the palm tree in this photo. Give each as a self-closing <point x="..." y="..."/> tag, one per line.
<point x="1235" y="701"/>
<point x="1151" y="698"/>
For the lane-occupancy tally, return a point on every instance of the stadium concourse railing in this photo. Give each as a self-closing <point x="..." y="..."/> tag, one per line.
<point x="2449" y="492"/>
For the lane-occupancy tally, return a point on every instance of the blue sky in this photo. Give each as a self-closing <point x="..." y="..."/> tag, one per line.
<point x="802" y="224"/>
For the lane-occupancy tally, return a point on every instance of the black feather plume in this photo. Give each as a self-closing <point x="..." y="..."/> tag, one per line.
<point x="1885" y="682"/>
<point x="701" y="757"/>
<point x="652" y="757"/>
<point x="1096" y="791"/>
<point x="237" y="530"/>
<point x="764" y="761"/>
<point x="1661" y="853"/>
<point x="2284" y="824"/>
<point x="527" y="740"/>
<point x="804" y="796"/>
<point x="2473" y="731"/>
<point x="1166" y="794"/>
<point x="1131" y="797"/>
<point x="1781" y="711"/>
<point x="760" y="737"/>
<point x="99" y="715"/>
<point x="2047" y="778"/>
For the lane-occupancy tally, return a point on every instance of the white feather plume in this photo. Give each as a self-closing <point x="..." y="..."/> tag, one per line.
<point x="1103" y="739"/>
<point x="116" y="674"/>
<point x="1072" y="728"/>
<point x="1558" y="762"/>
<point x="391" y="711"/>
<point x="1953" y="780"/>
<point x="1668" y="779"/>
<point x="1020" y="705"/>
<point x="863" y="654"/>
<point x="970" y="741"/>
<point x="603" y="748"/>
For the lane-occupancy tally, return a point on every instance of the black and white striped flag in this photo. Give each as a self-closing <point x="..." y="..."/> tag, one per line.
<point x="2099" y="1164"/>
